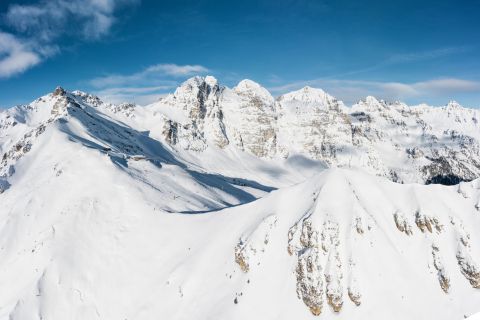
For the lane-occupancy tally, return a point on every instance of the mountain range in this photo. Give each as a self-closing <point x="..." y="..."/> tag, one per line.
<point x="228" y="203"/>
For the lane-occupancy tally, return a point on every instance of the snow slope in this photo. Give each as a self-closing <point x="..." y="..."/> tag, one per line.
<point x="109" y="212"/>
<point x="103" y="249"/>
<point x="475" y="317"/>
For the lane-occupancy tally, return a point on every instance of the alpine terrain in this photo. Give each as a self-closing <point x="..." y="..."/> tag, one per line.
<point x="228" y="203"/>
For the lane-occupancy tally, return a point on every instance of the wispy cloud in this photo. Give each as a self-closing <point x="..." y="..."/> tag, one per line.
<point x="351" y="91"/>
<point x="145" y="86"/>
<point x="140" y="95"/>
<point x="449" y="85"/>
<point x="151" y="74"/>
<point x="15" y="55"/>
<point x="36" y="28"/>
<point x="49" y="19"/>
<point x="176" y="70"/>
<point x="424" y="55"/>
<point x="404" y="58"/>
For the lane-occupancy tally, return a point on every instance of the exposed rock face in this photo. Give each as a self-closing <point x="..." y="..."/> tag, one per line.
<point x="313" y="123"/>
<point x="333" y="272"/>
<point x="14" y="150"/>
<point x="250" y="248"/>
<point x="443" y="278"/>
<point x="251" y="117"/>
<point x="402" y="223"/>
<point x="170" y="132"/>
<point x="427" y="223"/>
<point x="91" y="99"/>
<point x="197" y="100"/>
<point x="241" y="258"/>
<point x="309" y="275"/>
<point x="468" y="266"/>
<point x="354" y="296"/>
<point x="59" y="91"/>
<point x="309" y="281"/>
<point x="125" y="109"/>
<point x="60" y="107"/>
<point x="319" y="273"/>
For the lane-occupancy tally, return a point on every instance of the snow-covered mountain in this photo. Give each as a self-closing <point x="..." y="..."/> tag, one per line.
<point x="219" y="203"/>
<point x="405" y="144"/>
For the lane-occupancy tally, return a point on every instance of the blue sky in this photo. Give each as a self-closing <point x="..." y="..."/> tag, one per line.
<point x="138" y="50"/>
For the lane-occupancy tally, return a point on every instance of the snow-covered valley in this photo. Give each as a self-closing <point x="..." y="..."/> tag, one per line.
<point x="219" y="203"/>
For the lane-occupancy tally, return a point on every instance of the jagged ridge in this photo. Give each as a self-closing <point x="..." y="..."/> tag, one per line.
<point x="405" y="144"/>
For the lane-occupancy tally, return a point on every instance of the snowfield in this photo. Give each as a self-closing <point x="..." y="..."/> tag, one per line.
<point x="474" y="317"/>
<point x="218" y="203"/>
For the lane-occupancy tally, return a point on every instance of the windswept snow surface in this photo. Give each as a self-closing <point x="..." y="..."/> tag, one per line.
<point x="474" y="317"/>
<point x="127" y="212"/>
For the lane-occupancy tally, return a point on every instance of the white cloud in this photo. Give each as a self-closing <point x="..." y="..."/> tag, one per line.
<point x="140" y="99"/>
<point x="176" y="70"/>
<point x="15" y="55"/>
<point x="448" y="85"/>
<point x="424" y="55"/>
<point x="145" y="86"/>
<point x="50" y="19"/>
<point x="133" y="90"/>
<point x="139" y="95"/>
<point x="36" y="28"/>
<point x="351" y="91"/>
<point x="149" y="75"/>
<point x="404" y="58"/>
<point x="397" y="89"/>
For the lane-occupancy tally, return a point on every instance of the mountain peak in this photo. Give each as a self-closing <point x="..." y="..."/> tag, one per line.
<point x="198" y="81"/>
<point x="309" y="88"/>
<point x="371" y="104"/>
<point x="247" y="84"/>
<point x="452" y="104"/>
<point x="252" y="88"/>
<point x="211" y="81"/>
<point x="308" y="94"/>
<point x="59" y="91"/>
<point x="190" y="89"/>
<point x="193" y="81"/>
<point x="371" y="100"/>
